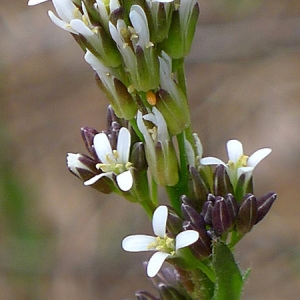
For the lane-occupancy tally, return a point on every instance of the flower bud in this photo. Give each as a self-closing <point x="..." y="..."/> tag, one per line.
<point x="161" y="17"/>
<point x="174" y="222"/>
<point x="109" y="81"/>
<point x="199" y="190"/>
<point x="87" y="134"/>
<point x="222" y="185"/>
<point x="202" y="247"/>
<point x="207" y="209"/>
<point x="182" y="29"/>
<point x="119" y="97"/>
<point x="171" y="99"/>
<point x="232" y="205"/>
<point x="159" y="149"/>
<point x="221" y="217"/>
<point x="264" y="204"/>
<point x="166" y="166"/>
<point x="195" y="221"/>
<point x="247" y="214"/>
<point x="101" y="45"/>
<point x="175" y="112"/>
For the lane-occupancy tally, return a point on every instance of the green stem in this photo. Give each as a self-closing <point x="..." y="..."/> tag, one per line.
<point x="178" y="67"/>
<point x="235" y="238"/>
<point x="174" y="192"/>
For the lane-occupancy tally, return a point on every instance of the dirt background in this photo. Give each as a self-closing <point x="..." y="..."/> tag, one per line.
<point x="243" y="81"/>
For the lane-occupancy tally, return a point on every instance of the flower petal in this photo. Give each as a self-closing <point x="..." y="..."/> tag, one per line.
<point x="258" y="156"/>
<point x="125" y="181"/>
<point x="65" y="9"/>
<point x="155" y="263"/>
<point x="138" y="242"/>
<point x="243" y="170"/>
<point x="123" y="145"/>
<point x="234" y="150"/>
<point x="186" y="238"/>
<point x="211" y="161"/>
<point x="60" y="23"/>
<point x="159" y="220"/>
<point x="96" y="178"/>
<point x="74" y="163"/>
<point x="103" y="147"/>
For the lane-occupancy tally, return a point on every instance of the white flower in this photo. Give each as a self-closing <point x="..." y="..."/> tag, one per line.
<point x="164" y="245"/>
<point x="114" y="161"/>
<point x="238" y="163"/>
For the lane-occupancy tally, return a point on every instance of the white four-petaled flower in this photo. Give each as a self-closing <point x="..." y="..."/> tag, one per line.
<point x="114" y="161"/>
<point x="238" y="163"/>
<point x="164" y="245"/>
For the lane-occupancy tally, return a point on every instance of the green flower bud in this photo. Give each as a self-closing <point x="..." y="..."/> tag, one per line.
<point x="108" y="81"/>
<point x="171" y="100"/>
<point x="175" y="112"/>
<point x="160" y="151"/>
<point x="161" y="18"/>
<point x="182" y="30"/>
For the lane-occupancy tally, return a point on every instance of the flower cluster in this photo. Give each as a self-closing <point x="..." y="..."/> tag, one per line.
<point x="137" y="50"/>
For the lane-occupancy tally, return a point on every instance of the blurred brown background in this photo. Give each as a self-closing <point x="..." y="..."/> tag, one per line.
<point x="60" y="240"/>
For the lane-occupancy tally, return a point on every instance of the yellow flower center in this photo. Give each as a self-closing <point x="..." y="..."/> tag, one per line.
<point x="165" y="244"/>
<point x="242" y="162"/>
<point x="113" y="165"/>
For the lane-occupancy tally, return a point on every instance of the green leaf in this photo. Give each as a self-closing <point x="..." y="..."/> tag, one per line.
<point x="229" y="281"/>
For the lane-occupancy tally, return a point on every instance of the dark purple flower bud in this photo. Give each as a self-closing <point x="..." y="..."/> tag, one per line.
<point x="232" y="206"/>
<point x="199" y="188"/>
<point x="221" y="185"/>
<point x="221" y="217"/>
<point x="202" y="247"/>
<point x="195" y="221"/>
<point x="190" y="214"/>
<point x="207" y="209"/>
<point x="264" y="204"/>
<point x="174" y="222"/>
<point x="88" y="134"/>
<point x="247" y="214"/>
